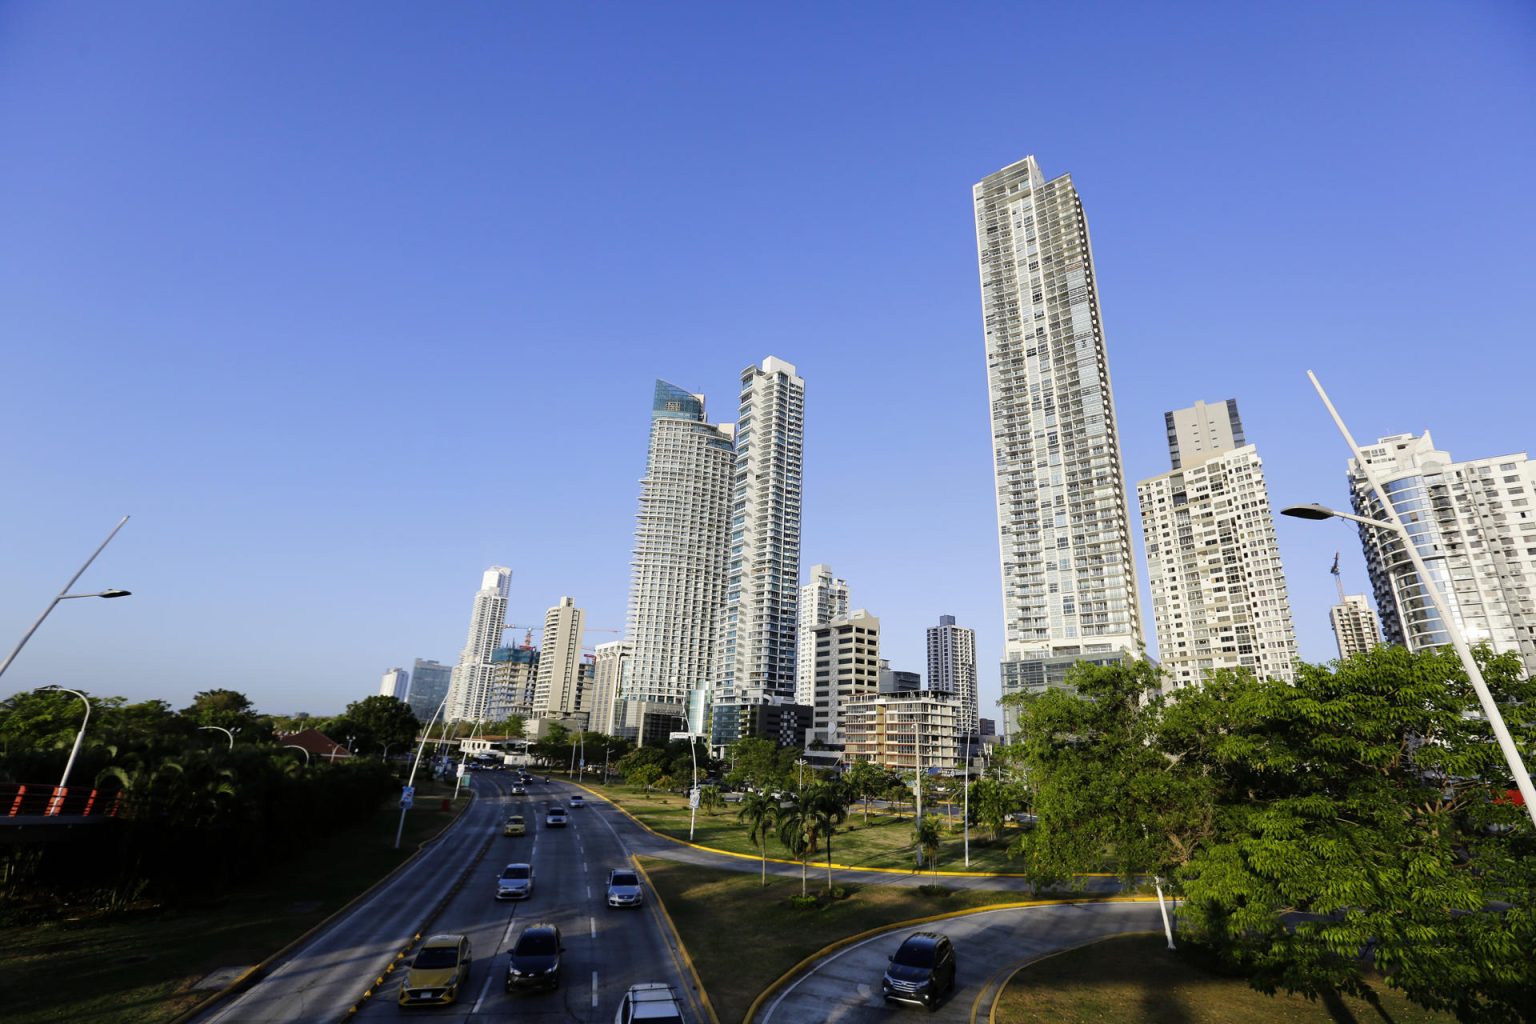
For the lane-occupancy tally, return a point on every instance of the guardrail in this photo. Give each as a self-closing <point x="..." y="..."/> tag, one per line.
<point x="40" y="800"/>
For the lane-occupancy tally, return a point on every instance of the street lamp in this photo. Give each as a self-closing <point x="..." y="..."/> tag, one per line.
<point x="693" y="755"/>
<point x="408" y="794"/>
<point x="1394" y="523"/>
<point x="227" y="732"/>
<point x="800" y="764"/>
<point x="57" y="803"/>
<point x="966" y="811"/>
<point x="302" y="750"/>
<point x="65" y="595"/>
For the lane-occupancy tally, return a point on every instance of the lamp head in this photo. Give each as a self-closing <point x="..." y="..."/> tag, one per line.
<point x="114" y="592"/>
<point x="1312" y="511"/>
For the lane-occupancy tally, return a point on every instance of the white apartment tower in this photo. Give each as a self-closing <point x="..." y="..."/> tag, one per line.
<point x="469" y="689"/>
<point x="612" y="664"/>
<point x="1219" y="598"/>
<point x="952" y="670"/>
<point x="557" y="689"/>
<point x="1068" y="568"/>
<point x="757" y="661"/>
<point x="846" y="667"/>
<point x="396" y="683"/>
<point x="677" y="582"/>
<point x="1354" y="626"/>
<point x="1475" y="529"/>
<point x="822" y="599"/>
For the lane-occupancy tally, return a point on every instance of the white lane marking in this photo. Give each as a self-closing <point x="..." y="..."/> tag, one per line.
<point x="589" y="892"/>
<point x="489" y="974"/>
<point x="594" y="990"/>
<point x="593" y="920"/>
<point x="507" y="938"/>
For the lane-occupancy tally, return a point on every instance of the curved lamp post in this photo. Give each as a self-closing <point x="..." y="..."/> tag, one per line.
<point x="57" y="803"/>
<point x="227" y="732"/>
<point x="65" y="595"/>
<point x="302" y="750"/>
<point x="1394" y="524"/>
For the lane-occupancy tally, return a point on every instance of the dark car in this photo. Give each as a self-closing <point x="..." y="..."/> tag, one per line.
<point x="921" y="971"/>
<point x="535" y="958"/>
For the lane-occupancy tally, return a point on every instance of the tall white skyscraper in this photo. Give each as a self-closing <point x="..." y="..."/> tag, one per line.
<point x="469" y="690"/>
<point x="1219" y="597"/>
<point x="1068" y="569"/>
<point x="1474" y="527"/>
<point x="763" y="568"/>
<point x="1354" y="625"/>
<point x="557" y="690"/>
<point x="612" y="664"/>
<point x="822" y="599"/>
<point x="677" y="585"/>
<point x="952" y="669"/>
<point x="846" y="668"/>
<point x="396" y="684"/>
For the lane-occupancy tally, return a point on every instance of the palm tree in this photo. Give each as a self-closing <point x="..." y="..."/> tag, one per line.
<point x="797" y="829"/>
<point x="761" y="814"/>
<point x="927" y="836"/>
<point x="828" y="809"/>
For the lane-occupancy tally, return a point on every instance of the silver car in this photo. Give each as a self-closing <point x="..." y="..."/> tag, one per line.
<point x="624" y="889"/>
<point x="515" y="883"/>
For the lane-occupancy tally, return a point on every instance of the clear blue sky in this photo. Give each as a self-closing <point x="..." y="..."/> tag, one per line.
<point x="346" y="302"/>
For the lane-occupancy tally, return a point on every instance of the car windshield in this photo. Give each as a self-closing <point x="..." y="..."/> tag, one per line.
<point x="535" y="944"/>
<point x="436" y="957"/>
<point x="516" y="871"/>
<point x="557" y="810"/>
<point x="624" y="878"/>
<point x="516" y="819"/>
<point x="915" y="954"/>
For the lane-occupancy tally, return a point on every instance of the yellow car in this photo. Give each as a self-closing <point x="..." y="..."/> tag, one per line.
<point x="440" y="969"/>
<point x="515" y="826"/>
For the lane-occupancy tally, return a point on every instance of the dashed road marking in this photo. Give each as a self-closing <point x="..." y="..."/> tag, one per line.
<point x="594" y="990"/>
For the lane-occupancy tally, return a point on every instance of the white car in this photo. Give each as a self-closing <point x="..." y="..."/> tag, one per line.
<point x="555" y="818"/>
<point x="624" y="889"/>
<point x="654" y="1003"/>
<point x="578" y="801"/>
<point x="515" y="882"/>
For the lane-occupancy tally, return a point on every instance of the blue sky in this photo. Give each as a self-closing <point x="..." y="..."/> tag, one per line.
<point x="344" y="303"/>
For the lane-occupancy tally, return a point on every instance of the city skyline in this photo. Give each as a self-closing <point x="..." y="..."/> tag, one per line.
<point x="209" y="301"/>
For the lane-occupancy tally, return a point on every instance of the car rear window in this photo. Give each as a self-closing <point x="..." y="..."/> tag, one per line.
<point x="436" y="957"/>
<point x="518" y="871"/>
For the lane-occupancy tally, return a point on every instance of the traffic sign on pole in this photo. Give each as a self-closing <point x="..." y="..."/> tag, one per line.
<point x="407" y="797"/>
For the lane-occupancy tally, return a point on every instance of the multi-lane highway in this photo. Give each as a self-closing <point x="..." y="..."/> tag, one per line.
<point x="606" y="950"/>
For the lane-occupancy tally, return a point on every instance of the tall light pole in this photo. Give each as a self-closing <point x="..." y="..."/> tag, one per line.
<point x="227" y="732"/>
<point x="917" y="780"/>
<point x="693" y="796"/>
<point x="302" y="750"/>
<point x="1394" y="523"/>
<point x="57" y="803"/>
<point x="800" y="764"/>
<point x="408" y="794"/>
<point x="966" y="811"/>
<point x="65" y="595"/>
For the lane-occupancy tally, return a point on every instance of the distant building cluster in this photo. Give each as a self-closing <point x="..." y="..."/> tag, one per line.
<point x="724" y="640"/>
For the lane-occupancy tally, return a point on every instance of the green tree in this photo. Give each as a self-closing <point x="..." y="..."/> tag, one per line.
<point x="710" y="800"/>
<point x="807" y="820"/>
<point x="760" y="813"/>
<point x="865" y="780"/>
<point x="755" y="762"/>
<point x="228" y="709"/>
<point x="378" y="722"/>
<point x="927" y="836"/>
<point x="644" y="775"/>
<point x="992" y="800"/>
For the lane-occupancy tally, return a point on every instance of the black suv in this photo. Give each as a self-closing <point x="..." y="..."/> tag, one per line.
<point x="921" y="971"/>
<point x="535" y="958"/>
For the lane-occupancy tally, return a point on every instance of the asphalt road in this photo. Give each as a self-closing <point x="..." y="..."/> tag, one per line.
<point x="606" y="950"/>
<point x="989" y="946"/>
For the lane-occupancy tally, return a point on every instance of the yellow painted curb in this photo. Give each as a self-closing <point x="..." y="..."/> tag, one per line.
<point x="992" y="1010"/>
<point x="698" y="982"/>
<point x="842" y="943"/>
<point x="835" y="866"/>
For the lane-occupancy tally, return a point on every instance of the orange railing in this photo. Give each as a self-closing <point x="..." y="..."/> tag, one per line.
<point x="18" y="800"/>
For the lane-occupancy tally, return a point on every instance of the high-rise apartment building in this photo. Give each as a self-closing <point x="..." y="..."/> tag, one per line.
<point x="904" y="731"/>
<point x="1475" y="528"/>
<point x="952" y="669"/>
<point x="514" y="671"/>
<point x="846" y="668"/>
<point x="429" y="685"/>
<point x="1219" y="598"/>
<point x="396" y="684"/>
<point x="1068" y="568"/>
<point x="557" y="688"/>
<point x="823" y="598"/>
<point x="678" y="577"/>
<point x="757" y="663"/>
<point x="470" y="691"/>
<point x="612" y="664"/>
<point x="1354" y="626"/>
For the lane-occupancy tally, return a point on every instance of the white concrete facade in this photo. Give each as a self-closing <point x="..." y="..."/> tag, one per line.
<point x="557" y="688"/>
<point x="469" y="690"/>
<point x="823" y="598"/>
<point x="1475" y="527"/>
<point x="1068" y="567"/>
<point x="904" y="732"/>
<point x="1219" y="597"/>
<point x="396" y="683"/>
<point x="952" y="669"/>
<point x="612" y="664"/>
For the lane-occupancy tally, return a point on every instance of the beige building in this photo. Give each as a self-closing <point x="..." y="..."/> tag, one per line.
<point x="611" y="666"/>
<point x="846" y="668"/>
<point x="557" y="689"/>
<point x="1219" y="598"/>
<point x="1354" y="626"/>
<point x="905" y="732"/>
<point x="822" y="599"/>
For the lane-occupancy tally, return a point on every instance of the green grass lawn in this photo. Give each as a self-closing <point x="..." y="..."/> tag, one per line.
<point x="742" y="936"/>
<point x="1135" y="977"/>
<point x="886" y="842"/>
<point x="139" y="968"/>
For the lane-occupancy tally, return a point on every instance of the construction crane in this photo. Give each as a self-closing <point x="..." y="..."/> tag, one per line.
<point x="1338" y="580"/>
